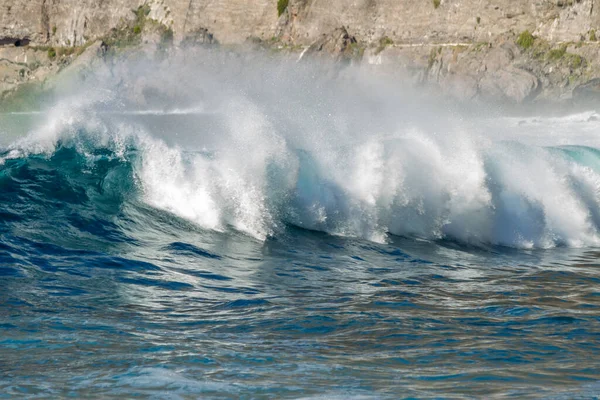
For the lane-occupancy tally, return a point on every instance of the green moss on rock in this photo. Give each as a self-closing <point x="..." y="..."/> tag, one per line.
<point x="282" y="6"/>
<point x="525" y="40"/>
<point x="557" y="54"/>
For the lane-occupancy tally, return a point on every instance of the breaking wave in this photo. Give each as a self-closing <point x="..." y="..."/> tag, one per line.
<point x="277" y="147"/>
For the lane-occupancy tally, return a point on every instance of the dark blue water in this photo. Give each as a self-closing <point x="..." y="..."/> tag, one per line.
<point x="104" y="295"/>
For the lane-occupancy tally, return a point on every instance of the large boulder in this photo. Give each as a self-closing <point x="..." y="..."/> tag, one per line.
<point x="509" y="83"/>
<point x="499" y="57"/>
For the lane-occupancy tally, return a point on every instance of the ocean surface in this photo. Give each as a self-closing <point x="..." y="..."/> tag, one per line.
<point x="271" y="240"/>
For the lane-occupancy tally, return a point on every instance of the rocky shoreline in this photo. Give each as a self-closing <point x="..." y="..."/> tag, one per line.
<point x="509" y="66"/>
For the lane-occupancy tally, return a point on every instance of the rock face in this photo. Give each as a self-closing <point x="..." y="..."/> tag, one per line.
<point x="421" y="21"/>
<point x="338" y="43"/>
<point x="75" y="22"/>
<point x="60" y="22"/>
<point x="466" y="47"/>
<point x="45" y="22"/>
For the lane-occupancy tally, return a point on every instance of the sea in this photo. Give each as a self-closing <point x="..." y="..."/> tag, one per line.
<point x="260" y="230"/>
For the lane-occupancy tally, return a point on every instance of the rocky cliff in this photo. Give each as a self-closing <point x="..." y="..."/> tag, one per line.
<point x="444" y="21"/>
<point x="469" y="48"/>
<point x="75" y="22"/>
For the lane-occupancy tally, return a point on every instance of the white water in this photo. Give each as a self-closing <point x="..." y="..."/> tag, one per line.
<point x="256" y="145"/>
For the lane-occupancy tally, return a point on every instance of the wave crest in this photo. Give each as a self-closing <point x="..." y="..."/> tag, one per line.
<point x="350" y="163"/>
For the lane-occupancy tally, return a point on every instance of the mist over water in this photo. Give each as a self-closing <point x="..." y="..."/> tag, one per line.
<point x="221" y="224"/>
<point x="255" y="144"/>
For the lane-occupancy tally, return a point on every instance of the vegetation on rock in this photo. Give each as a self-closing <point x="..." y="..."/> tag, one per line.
<point x="140" y="18"/>
<point x="575" y="60"/>
<point x="436" y="3"/>
<point x="557" y="54"/>
<point x="354" y="51"/>
<point x="383" y="43"/>
<point x="281" y="6"/>
<point x="141" y="13"/>
<point x="130" y="34"/>
<point x="525" y="39"/>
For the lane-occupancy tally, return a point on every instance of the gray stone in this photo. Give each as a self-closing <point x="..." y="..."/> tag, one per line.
<point x="511" y="84"/>
<point x="337" y="43"/>
<point x="588" y="92"/>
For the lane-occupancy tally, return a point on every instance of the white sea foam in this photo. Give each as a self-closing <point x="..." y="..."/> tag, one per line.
<point x="350" y="155"/>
